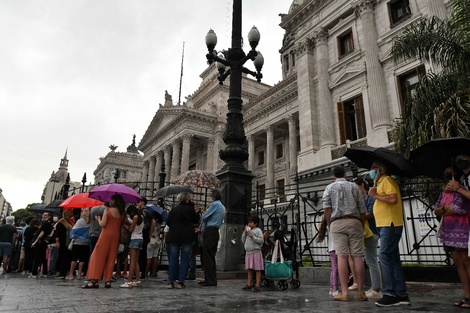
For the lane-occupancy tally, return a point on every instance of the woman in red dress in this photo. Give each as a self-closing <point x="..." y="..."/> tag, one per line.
<point x="104" y="255"/>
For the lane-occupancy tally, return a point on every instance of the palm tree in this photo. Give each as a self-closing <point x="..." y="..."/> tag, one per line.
<point x="440" y="105"/>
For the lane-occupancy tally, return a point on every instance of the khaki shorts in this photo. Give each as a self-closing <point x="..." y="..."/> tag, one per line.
<point x="348" y="237"/>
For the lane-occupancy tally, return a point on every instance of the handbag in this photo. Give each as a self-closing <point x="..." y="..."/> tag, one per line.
<point x="70" y="247"/>
<point x="124" y="235"/>
<point x="278" y="270"/>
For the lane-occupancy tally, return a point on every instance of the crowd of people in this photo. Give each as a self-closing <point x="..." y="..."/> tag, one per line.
<point x="91" y="246"/>
<point x="358" y="215"/>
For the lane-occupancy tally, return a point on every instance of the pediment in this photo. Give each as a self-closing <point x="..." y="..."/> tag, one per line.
<point x="347" y="75"/>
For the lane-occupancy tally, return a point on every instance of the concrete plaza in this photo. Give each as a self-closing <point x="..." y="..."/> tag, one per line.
<point x="19" y="293"/>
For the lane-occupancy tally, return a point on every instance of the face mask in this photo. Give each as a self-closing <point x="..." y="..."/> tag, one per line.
<point x="373" y="174"/>
<point x="55" y="219"/>
<point x="448" y="176"/>
<point x="462" y="164"/>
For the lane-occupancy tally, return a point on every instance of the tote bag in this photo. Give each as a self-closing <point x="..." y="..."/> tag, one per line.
<point x="278" y="270"/>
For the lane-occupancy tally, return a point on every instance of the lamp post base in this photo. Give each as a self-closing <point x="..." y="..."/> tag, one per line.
<point x="236" y="185"/>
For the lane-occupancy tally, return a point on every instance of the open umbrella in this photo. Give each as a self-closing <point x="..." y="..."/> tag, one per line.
<point x="172" y="190"/>
<point x="197" y="178"/>
<point x="41" y="208"/>
<point x="158" y="209"/>
<point x="104" y="193"/>
<point x="80" y="200"/>
<point x="396" y="164"/>
<point x="431" y="158"/>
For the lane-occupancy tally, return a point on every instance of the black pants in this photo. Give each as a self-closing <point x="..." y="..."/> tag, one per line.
<point x="211" y="238"/>
<point x="40" y="258"/>
<point x="64" y="258"/>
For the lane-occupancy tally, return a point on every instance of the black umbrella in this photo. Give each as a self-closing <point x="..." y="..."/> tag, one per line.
<point x="433" y="157"/>
<point x="54" y="204"/>
<point x="172" y="190"/>
<point x="41" y="208"/>
<point x="396" y="164"/>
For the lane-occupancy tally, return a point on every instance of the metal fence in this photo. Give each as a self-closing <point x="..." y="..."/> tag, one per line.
<point x="298" y="206"/>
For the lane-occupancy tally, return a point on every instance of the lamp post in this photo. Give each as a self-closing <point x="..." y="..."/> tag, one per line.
<point x="161" y="183"/>
<point x="235" y="179"/>
<point x="83" y="182"/>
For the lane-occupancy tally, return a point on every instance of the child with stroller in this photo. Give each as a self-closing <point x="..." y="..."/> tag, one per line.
<point x="253" y="239"/>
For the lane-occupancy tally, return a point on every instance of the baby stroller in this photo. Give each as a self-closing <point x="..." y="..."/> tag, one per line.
<point x="288" y="248"/>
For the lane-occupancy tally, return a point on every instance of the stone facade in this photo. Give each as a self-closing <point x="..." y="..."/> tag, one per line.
<point x="123" y="167"/>
<point x="189" y="136"/>
<point x="340" y="86"/>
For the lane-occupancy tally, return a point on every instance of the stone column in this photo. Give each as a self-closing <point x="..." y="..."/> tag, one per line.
<point x="291" y="121"/>
<point x="437" y="8"/>
<point x="145" y="174"/>
<point x="158" y="167"/>
<point x="176" y="161"/>
<point x="199" y="160"/>
<point x="151" y="183"/>
<point x="219" y="144"/>
<point x="269" y="158"/>
<point x="308" y="119"/>
<point x="378" y="105"/>
<point x="325" y="102"/>
<point x="168" y="163"/>
<point x="185" y="153"/>
<point x="251" y="153"/>
<point x="210" y="155"/>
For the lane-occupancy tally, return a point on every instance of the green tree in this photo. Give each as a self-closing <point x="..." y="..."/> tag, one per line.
<point x="440" y="105"/>
<point x="22" y="215"/>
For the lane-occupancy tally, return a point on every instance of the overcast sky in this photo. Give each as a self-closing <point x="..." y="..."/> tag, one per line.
<point x="84" y="74"/>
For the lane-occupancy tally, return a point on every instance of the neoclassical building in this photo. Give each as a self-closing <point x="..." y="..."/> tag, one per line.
<point x="189" y="136"/>
<point x="123" y="167"/>
<point x="341" y="87"/>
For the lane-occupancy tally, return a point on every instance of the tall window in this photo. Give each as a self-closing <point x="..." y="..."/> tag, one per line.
<point x="398" y="10"/>
<point x="281" y="190"/>
<point x="286" y="62"/>
<point x="262" y="192"/>
<point x="261" y="157"/>
<point x="407" y="84"/>
<point x="351" y="117"/>
<point x="345" y="43"/>
<point x="279" y="151"/>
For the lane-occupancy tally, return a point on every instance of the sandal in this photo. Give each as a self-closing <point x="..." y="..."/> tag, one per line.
<point x="107" y="284"/>
<point x="464" y="303"/>
<point x="180" y="286"/>
<point x="362" y="297"/>
<point x="92" y="284"/>
<point x="171" y="286"/>
<point x="247" y="287"/>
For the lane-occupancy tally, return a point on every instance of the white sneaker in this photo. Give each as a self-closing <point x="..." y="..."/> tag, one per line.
<point x="334" y="293"/>
<point x="374" y="294"/>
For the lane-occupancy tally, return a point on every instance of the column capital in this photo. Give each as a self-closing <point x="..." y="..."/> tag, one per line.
<point x="321" y="36"/>
<point x="210" y="142"/>
<point x="187" y="137"/>
<point x="269" y="129"/>
<point x="291" y="118"/>
<point x="304" y="46"/>
<point x="365" y="6"/>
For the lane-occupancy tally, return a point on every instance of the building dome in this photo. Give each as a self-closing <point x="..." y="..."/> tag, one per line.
<point x="295" y="4"/>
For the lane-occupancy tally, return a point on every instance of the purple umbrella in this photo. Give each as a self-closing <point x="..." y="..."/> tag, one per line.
<point x="104" y="193"/>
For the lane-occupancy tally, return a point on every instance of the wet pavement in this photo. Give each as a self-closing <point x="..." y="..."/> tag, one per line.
<point x="19" y="293"/>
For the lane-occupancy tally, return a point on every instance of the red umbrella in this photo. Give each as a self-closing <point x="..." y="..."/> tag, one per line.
<point x="80" y="200"/>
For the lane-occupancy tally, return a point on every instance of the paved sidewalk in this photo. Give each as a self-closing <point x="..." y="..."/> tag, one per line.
<point x="22" y="294"/>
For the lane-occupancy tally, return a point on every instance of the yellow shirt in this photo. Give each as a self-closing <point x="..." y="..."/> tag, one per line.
<point x="385" y="214"/>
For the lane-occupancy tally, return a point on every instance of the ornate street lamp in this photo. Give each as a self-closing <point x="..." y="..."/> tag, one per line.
<point x="83" y="182"/>
<point x="235" y="179"/>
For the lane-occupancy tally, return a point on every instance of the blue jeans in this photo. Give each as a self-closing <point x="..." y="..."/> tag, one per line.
<point x="372" y="262"/>
<point x="389" y="256"/>
<point x="179" y="269"/>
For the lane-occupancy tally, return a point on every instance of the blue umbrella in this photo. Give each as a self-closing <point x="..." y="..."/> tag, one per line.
<point x="159" y="210"/>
